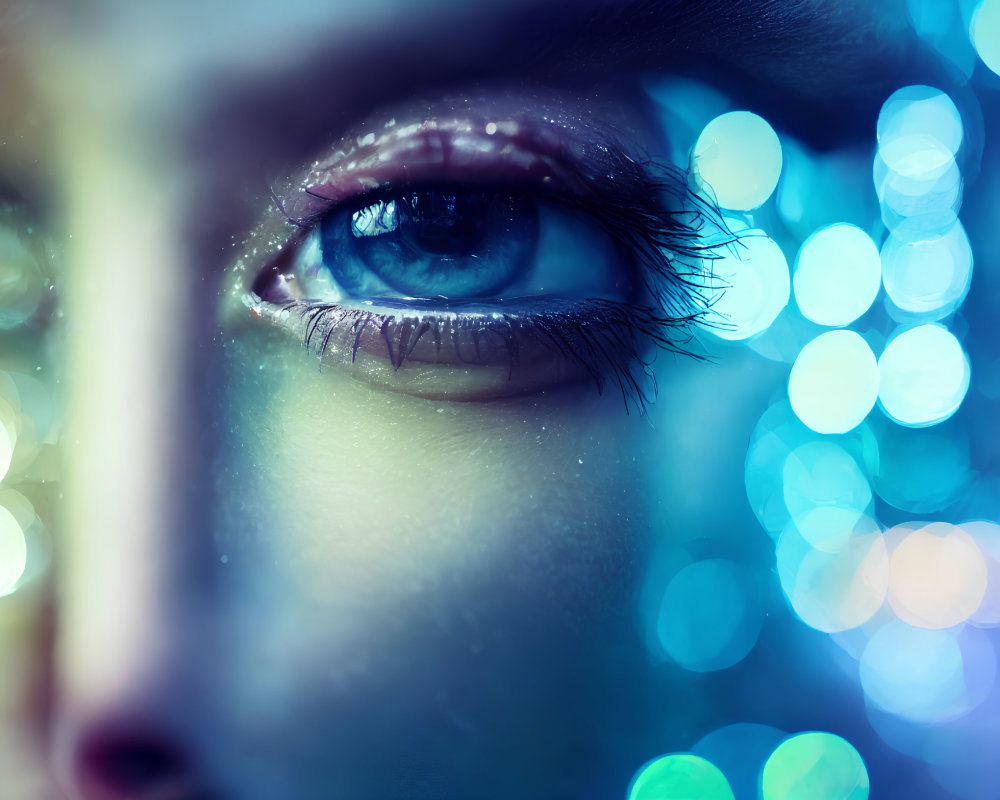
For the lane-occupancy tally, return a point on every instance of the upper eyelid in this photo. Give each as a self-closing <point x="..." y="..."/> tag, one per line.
<point x="646" y="206"/>
<point x="533" y="142"/>
<point x="270" y="243"/>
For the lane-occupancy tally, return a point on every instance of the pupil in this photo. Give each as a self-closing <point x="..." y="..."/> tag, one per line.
<point x="432" y="242"/>
<point x="446" y="224"/>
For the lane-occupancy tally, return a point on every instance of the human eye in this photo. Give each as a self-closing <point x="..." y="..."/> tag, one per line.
<point x="480" y="249"/>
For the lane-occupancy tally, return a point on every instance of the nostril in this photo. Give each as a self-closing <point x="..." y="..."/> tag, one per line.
<point x="122" y="766"/>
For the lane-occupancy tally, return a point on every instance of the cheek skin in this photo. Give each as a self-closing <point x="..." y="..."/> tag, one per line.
<point x="418" y="577"/>
<point x="383" y="490"/>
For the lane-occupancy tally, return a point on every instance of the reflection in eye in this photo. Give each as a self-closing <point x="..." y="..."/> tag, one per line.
<point x="464" y="244"/>
<point x="525" y="257"/>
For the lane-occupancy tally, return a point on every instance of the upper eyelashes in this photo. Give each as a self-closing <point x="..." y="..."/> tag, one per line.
<point x="527" y="250"/>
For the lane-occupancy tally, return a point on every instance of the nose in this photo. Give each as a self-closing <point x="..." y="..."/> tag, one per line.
<point x="132" y="761"/>
<point x="131" y="620"/>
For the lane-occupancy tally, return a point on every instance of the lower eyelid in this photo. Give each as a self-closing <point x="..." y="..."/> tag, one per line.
<point x="480" y="354"/>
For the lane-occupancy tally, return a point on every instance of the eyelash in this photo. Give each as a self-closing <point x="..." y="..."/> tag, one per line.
<point x="665" y="250"/>
<point x="600" y="336"/>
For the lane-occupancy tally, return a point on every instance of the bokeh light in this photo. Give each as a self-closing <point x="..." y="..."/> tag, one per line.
<point x="937" y="576"/>
<point x="680" y="775"/>
<point x="825" y="493"/>
<point x="8" y="435"/>
<point x="926" y="675"/>
<point x="985" y="33"/>
<point x="779" y="432"/>
<point x="750" y="286"/>
<point x="916" y="156"/>
<point x="13" y="551"/>
<point x="986" y="535"/>
<point x="710" y="616"/>
<point x="927" y="272"/>
<point x="945" y="27"/>
<point x="19" y="506"/>
<point x="738" y="158"/>
<point x="912" y="673"/>
<point x="834" y="382"/>
<point x="924" y="376"/>
<point x="784" y="337"/>
<point x="916" y="174"/>
<point x="21" y="282"/>
<point x="740" y="751"/>
<point x="961" y="754"/>
<point x="925" y="182"/>
<point x="914" y="607"/>
<point x="683" y="107"/>
<point x="817" y="766"/>
<point x="837" y="275"/>
<point x="834" y="592"/>
<point x="920" y="110"/>
<point x="921" y="470"/>
<point x="38" y="543"/>
<point x="36" y="402"/>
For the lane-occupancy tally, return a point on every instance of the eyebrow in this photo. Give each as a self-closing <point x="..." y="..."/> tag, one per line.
<point x="823" y="54"/>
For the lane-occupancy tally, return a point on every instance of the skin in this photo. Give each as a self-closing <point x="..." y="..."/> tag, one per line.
<point x="276" y="581"/>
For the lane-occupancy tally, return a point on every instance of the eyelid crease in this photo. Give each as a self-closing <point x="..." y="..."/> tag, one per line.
<point x="497" y="139"/>
<point x="453" y="149"/>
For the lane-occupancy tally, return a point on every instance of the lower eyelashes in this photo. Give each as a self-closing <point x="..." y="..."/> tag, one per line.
<point x="486" y="352"/>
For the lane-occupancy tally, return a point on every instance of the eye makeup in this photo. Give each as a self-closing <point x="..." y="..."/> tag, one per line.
<point x="476" y="249"/>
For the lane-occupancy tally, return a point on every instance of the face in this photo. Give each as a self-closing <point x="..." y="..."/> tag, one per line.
<point x="409" y="392"/>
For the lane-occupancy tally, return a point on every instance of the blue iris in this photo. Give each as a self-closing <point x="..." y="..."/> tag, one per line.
<point x="432" y="243"/>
